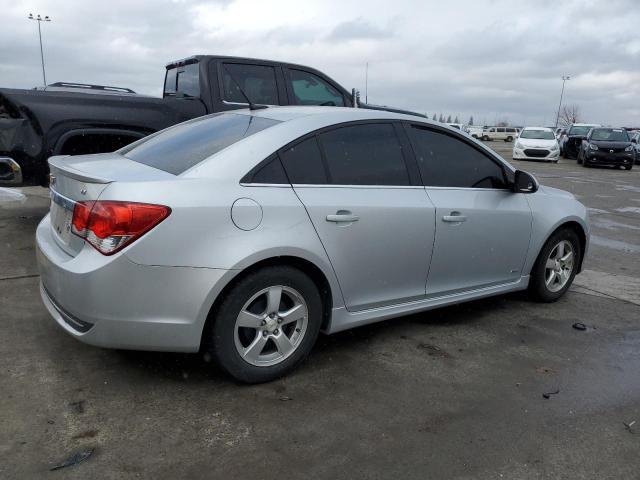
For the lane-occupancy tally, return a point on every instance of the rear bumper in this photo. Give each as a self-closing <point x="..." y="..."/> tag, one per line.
<point x="115" y="303"/>
<point x="10" y="171"/>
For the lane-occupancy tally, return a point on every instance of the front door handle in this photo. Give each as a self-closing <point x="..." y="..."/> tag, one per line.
<point x="455" y="217"/>
<point x="343" y="216"/>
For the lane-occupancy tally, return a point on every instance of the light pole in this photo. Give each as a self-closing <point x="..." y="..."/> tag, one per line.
<point x="40" y="19"/>
<point x="564" y="79"/>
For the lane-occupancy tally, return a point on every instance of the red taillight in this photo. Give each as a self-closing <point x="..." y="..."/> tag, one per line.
<point x="110" y="225"/>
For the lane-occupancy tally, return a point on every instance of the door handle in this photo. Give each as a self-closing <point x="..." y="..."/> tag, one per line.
<point x="343" y="216"/>
<point x="455" y="217"/>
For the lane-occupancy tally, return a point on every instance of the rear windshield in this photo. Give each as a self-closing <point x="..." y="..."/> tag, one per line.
<point x="179" y="148"/>
<point x="538" y="135"/>
<point x="610" y="135"/>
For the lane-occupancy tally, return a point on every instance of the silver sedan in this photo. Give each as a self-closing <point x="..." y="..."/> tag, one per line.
<point x="245" y="234"/>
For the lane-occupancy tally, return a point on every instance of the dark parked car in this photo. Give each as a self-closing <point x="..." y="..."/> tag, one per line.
<point x="71" y="119"/>
<point x="607" y="146"/>
<point x="576" y="133"/>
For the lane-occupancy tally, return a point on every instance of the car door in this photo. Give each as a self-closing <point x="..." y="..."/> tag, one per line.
<point x="482" y="227"/>
<point x="369" y="210"/>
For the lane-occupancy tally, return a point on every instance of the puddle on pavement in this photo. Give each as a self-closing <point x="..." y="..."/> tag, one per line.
<point x="596" y="210"/>
<point x="12" y="195"/>
<point x="628" y="210"/>
<point x="628" y="188"/>
<point x="604" y="222"/>
<point x="615" y="244"/>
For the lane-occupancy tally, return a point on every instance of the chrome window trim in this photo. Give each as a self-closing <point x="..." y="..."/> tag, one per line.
<point x="328" y="185"/>
<point x="61" y="200"/>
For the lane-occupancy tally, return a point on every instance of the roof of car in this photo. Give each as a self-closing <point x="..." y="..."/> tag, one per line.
<point x="286" y="113"/>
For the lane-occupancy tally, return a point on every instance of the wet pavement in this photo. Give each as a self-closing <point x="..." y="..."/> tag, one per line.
<point x="452" y="393"/>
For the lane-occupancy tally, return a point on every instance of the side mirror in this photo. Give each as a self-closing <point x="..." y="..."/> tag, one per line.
<point x="524" y="182"/>
<point x="355" y="95"/>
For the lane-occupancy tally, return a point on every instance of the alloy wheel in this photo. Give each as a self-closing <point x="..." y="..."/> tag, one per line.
<point x="271" y="326"/>
<point x="559" y="266"/>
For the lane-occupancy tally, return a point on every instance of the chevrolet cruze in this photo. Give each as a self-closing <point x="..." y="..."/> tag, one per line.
<point x="245" y="234"/>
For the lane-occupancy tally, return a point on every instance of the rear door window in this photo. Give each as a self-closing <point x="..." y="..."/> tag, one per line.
<point x="310" y="89"/>
<point x="182" y="146"/>
<point x="367" y="154"/>
<point x="303" y="163"/>
<point x="257" y="81"/>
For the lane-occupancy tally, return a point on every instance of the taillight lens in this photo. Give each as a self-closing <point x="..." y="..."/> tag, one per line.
<point x="110" y="225"/>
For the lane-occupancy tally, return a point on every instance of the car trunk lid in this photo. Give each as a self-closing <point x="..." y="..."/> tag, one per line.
<point x="83" y="178"/>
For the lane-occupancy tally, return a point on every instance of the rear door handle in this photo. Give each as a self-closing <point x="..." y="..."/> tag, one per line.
<point x="455" y="217"/>
<point x="343" y="216"/>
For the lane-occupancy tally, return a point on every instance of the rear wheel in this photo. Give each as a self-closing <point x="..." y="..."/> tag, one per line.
<point x="266" y="325"/>
<point x="628" y="167"/>
<point x="556" y="266"/>
<point x="509" y="139"/>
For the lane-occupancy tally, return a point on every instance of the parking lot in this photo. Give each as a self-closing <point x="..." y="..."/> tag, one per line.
<point x="451" y="393"/>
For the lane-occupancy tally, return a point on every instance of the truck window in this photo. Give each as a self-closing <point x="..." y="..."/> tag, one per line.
<point x="310" y="89"/>
<point x="184" y="80"/>
<point x="257" y="81"/>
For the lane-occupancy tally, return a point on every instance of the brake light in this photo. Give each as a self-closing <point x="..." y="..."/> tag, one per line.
<point x="111" y="225"/>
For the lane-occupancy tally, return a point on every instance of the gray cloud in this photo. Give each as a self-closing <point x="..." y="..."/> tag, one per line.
<point x="358" y="29"/>
<point x="491" y="60"/>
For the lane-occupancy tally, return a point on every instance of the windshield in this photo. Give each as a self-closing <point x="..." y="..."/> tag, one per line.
<point x="610" y="135"/>
<point x="538" y="135"/>
<point x="582" y="130"/>
<point x="179" y="148"/>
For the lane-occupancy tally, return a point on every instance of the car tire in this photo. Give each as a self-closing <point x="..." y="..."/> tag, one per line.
<point x="628" y="167"/>
<point x="509" y="139"/>
<point x="485" y="138"/>
<point x="546" y="288"/>
<point x="227" y="340"/>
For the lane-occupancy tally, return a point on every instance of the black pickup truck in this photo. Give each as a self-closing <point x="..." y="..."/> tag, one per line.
<point x="71" y="119"/>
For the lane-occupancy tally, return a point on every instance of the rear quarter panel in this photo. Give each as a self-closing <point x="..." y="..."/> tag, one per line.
<point x="201" y="233"/>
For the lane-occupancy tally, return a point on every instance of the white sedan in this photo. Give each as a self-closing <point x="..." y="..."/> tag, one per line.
<point x="536" y="143"/>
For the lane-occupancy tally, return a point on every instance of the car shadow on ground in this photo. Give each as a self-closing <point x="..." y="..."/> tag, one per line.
<point x="200" y="367"/>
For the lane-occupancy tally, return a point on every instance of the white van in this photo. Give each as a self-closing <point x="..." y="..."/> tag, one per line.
<point x="508" y="134"/>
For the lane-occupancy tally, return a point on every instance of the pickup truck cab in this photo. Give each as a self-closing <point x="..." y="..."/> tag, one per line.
<point x="72" y="119"/>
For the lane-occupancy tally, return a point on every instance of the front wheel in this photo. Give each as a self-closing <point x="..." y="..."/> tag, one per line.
<point x="266" y="325"/>
<point x="509" y="139"/>
<point x="628" y="167"/>
<point x="556" y="266"/>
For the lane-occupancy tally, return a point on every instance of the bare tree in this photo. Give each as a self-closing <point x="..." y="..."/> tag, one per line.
<point x="471" y="120"/>
<point x="569" y="114"/>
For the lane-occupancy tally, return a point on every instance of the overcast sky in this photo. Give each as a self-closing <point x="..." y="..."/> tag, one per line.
<point x="495" y="60"/>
